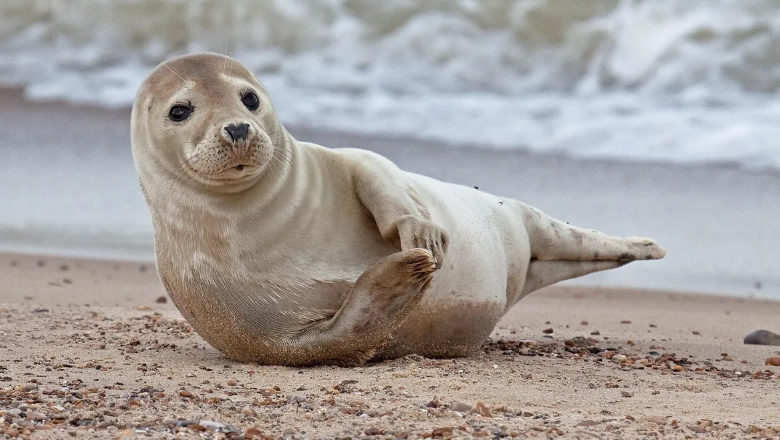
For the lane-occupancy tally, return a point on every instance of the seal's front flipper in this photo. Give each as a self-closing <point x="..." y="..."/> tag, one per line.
<point x="390" y="196"/>
<point x="382" y="297"/>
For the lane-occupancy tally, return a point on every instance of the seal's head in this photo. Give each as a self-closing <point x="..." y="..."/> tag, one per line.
<point x="205" y="121"/>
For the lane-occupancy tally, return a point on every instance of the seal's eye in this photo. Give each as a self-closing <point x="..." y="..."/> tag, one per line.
<point x="179" y="112"/>
<point x="251" y="101"/>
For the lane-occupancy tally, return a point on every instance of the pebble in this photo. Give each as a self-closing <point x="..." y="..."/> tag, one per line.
<point x="627" y="394"/>
<point x="38" y="417"/>
<point x="445" y="432"/>
<point x="161" y="300"/>
<point x="773" y="361"/>
<point x="372" y="431"/>
<point x="218" y="427"/>
<point x="253" y="433"/>
<point x="619" y="358"/>
<point x="232" y="382"/>
<point x="460" y="407"/>
<point x="656" y="419"/>
<point x="762" y="337"/>
<point x="625" y="321"/>
<point x="548" y="331"/>
<point x="482" y="410"/>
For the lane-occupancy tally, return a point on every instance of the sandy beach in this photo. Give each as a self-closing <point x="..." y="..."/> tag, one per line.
<point x="636" y="119"/>
<point x="94" y="349"/>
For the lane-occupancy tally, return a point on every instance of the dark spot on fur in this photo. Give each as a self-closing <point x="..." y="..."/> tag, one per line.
<point x="625" y="256"/>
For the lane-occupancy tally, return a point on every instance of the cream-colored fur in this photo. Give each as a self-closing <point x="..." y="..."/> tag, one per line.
<point x="287" y="252"/>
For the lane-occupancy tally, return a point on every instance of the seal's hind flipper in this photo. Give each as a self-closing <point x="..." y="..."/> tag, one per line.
<point x="544" y="273"/>
<point x="552" y="239"/>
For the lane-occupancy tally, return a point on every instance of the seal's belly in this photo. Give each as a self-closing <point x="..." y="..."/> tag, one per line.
<point x="455" y="329"/>
<point x="487" y="260"/>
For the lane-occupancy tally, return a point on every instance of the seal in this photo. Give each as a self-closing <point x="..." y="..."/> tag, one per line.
<point x="284" y="252"/>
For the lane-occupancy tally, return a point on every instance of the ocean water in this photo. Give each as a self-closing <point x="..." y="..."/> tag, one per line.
<point x="655" y="80"/>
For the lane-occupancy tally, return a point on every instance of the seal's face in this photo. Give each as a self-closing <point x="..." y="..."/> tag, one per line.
<point x="208" y="120"/>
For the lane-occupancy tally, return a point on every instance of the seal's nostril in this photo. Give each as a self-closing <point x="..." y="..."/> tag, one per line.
<point x="237" y="132"/>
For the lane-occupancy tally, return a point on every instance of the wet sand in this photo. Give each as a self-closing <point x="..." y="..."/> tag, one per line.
<point x="89" y="349"/>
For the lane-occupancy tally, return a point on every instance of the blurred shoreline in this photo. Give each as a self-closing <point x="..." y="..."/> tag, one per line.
<point x="68" y="187"/>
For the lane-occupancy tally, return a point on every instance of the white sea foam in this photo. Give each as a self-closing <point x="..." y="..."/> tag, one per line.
<point x="641" y="80"/>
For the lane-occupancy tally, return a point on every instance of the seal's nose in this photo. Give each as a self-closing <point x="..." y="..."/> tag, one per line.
<point x="237" y="132"/>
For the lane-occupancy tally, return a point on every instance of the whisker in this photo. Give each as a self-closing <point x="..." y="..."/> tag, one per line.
<point x="184" y="175"/>
<point x="182" y="79"/>
<point x="224" y="65"/>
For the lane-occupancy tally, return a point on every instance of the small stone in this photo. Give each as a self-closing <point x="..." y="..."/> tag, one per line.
<point x="38" y="417"/>
<point x="253" y="433"/>
<point x="587" y="423"/>
<point x="435" y="403"/>
<point x="762" y="337"/>
<point x="372" y="431"/>
<point x="232" y="382"/>
<point x="627" y="394"/>
<point x="482" y="410"/>
<point x="548" y="331"/>
<point x="656" y="419"/>
<point x="460" y="407"/>
<point x="14" y="412"/>
<point x="696" y="333"/>
<point x="445" y="432"/>
<point x="625" y="321"/>
<point x="773" y="361"/>
<point x="185" y="393"/>
<point x="619" y="358"/>
<point x="161" y="299"/>
<point x="595" y="333"/>
<point x="216" y="426"/>
<point x="677" y="368"/>
<point x="584" y="323"/>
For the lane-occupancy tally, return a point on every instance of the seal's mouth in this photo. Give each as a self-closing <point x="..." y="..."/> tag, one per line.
<point x="217" y="162"/>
